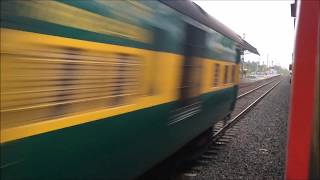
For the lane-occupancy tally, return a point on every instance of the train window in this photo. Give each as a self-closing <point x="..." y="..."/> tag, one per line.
<point x="233" y="74"/>
<point x="125" y="78"/>
<point x="226" y="73"/>
<point x="79" y="81"/>
<point x="216" y="72"/>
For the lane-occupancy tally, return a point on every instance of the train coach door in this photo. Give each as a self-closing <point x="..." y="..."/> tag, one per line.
<point x="189" y="103"/>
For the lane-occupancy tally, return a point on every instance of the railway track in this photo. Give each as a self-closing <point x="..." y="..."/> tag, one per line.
<point x="224" y="132"/>
<point x="252" y="90"/>
<point x="249" y="84"/>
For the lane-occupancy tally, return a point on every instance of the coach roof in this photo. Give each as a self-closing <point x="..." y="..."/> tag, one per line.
<point x="192" y="10"/>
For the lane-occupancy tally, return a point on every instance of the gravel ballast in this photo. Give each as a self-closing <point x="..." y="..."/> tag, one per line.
<point x="259" y="149"/>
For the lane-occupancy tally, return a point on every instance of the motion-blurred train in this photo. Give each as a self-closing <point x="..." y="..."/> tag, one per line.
<point x="108" y="89"/>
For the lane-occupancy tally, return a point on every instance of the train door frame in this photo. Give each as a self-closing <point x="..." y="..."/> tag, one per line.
<point x="190" y="85"/>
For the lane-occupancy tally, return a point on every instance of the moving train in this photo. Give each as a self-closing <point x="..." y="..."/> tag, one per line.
<point x="108" y="89"/>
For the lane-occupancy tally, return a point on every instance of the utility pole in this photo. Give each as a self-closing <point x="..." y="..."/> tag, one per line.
<point x="241" y="62"/>
<point x="267" y="60"/>
<point x="259" y="67"/>
<point x="242" y="58"/>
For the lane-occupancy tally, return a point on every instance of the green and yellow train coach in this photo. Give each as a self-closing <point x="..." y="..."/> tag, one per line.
<point x="108" y="89"/>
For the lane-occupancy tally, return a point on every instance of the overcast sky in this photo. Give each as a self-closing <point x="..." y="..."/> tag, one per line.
<point x="267" y="25"/>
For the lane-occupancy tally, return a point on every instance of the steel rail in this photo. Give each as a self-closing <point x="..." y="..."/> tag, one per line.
<point x="238" y="116"/>
<point x="252" y="90"/>
<point x="249" y="84"/>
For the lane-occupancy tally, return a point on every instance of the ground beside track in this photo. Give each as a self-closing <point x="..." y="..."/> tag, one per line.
<point x="259" y="149"/>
